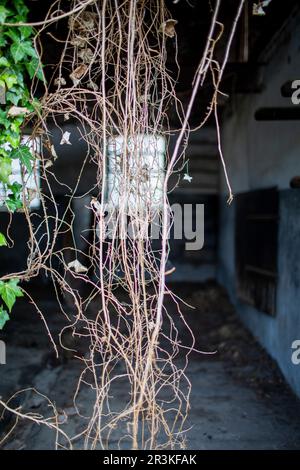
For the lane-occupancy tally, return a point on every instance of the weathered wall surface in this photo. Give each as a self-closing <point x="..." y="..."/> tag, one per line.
<point x="261" y="155"/>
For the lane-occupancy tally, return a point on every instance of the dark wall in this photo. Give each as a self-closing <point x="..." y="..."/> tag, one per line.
<point x="276" y="333"/>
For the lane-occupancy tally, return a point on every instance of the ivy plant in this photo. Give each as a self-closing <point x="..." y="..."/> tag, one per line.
<point x="9" y="291"/>
<point x="19" y="62"/>
<point x="4" y="317"/>
<point x="3" y="241"/>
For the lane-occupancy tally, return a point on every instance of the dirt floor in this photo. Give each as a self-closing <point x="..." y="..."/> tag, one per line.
<point x="239" y="398"/>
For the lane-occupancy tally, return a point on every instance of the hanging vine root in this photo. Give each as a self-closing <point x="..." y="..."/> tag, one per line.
<point x="112" y="80"/>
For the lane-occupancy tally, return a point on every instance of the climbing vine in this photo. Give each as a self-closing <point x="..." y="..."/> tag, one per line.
<point x="112" y="81"/>
<point x="9" y="291"/>
<point x="19" y="61"/>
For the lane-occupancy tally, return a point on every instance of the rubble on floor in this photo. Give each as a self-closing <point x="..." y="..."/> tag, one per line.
<point x="239" y="399"/>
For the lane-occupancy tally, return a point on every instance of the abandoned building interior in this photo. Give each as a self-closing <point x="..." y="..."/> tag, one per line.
<point x="227" y="373"/>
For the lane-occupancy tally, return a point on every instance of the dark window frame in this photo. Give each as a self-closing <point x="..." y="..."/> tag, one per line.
<point x="256" y="248"/>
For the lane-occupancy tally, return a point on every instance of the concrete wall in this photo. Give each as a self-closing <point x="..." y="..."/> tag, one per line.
<point x="260" y="155"/>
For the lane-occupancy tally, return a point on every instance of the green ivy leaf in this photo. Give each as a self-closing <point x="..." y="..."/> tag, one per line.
<point x="4" y="121"/>
<point x="36" y="104"/>
<point x="15" y="188"/>
<point x="3" y="14"/>
<point x="2" y="40"/>
<point x="5" y="169"/>
<point x="12" y="33"/>
<point x="10" y="79"/>
<point x="22" y="9"/>
<point x="26" y="31"/>
<point x="3" y="152"/>
<point x="15" y="125"/>
<point x="29" y="49"/>
<point x="17" y="51"/>
<point x="4" y="317"/>
<point x="4" y="62"/>
<point x="3" y="241"/>
<point x="9" y="291"/>
<point x="13" y="96"/>
<point x="14" y="201"/>
<point x="23" y="154"/>
<point x="13" y="138"/>
<point x="22" y="48"/>
<point x="18" y="60"/>
<point x="34" y="69"/>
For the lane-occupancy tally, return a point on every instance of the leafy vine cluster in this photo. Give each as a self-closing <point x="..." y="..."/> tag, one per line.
<point x="19" y="62"/>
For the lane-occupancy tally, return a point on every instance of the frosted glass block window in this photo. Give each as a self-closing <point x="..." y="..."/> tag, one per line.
<point x="135" y="172"/>
<point x="29" y="180"/>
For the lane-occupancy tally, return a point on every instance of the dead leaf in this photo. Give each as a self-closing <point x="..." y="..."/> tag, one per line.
<point x="258" y="8"/>
<point x="97" y="207"/>
<point x="32" y="194"/>
<point x="87" y="19"/>
<point x="187" y="177"/>
<point x="78" y="42"/>
<point x="78" y="73"/>
<point x="86" y="55"/>
<point x="65" y="138"/>
<point x="53" y="152"/>
<point x="168" y="28"/>
<point x="77" y="266"/>
<point x="96" y="204"/>
<point x="16" y="111"/>
<point x="92" y="86"/>
<point x="60" y="81"/>
<point x="48" y="164"/>
<point x="84" y="22"/>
